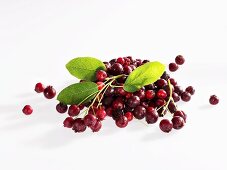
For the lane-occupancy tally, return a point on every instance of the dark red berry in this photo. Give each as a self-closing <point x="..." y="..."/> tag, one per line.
<point x="181" y="114"/>
<point x="190" y="90"/>
<point x="74" y="110"/>
<point x="100" y="85"/>
<point x="179" y="59"/>
<point x="81" y="106"/>
<point x="139" y="112"/>
<point x="39" y="87"/>
<point x="101" y="75"/>
<point x="178" y="89"/>
<point x="140" y="94"/>
<point x="165" y="76"/>
<point x="101" y="114"/>
<point x="90" y="120"/>
<point x="178" y="122"/>
<point x="161" y="94"/>
<point x="108" y="65"/>
<point x="27" y="110"/>
<point x="173" y="81"/>
<point x="121" y="60"/>
<point x="185" y="96"/>
<point x="109" y="111"/>
<point x="161" y="83"/>
<point x="151" y="115"/>
<point x="133" y="101"/>
<point x="127" y="70"/>
<point x="160" y="102"/>
<point x="175" y="97"/>
<point x="173" y="67"/>
<point x="79" y="125"/>
<point x="61" y="108"/>
<point x="129" y="116"/>
<point x="109" y="91"/>
<point x="128" y="95"/>
<point x="49" y="92"/>
<point x="166" y="125"/>
<point x="172" y="107"/>
<point x="150" y="94"/>
<point x="214" y="100"/>
<point x="119" y="91"/>
<point x="122" y="122"/>
<point x="116" y="69"/>
<point x="118" y="104"/>
<point x="68" y="122"/>
<point x="117" y="114"/>
<point x="97" y="126"/>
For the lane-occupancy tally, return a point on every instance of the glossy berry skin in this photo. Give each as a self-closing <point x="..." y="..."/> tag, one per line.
<point x="49" y="92"/>
<point x="190" y="90"/>
<point x="121" y="60"/>
<point x="179" y="60"/>
<point x="161" y="94"/>
<point x="116" y="69"/>
<point x="180" y="114"/>
<point x="74" y="110"/>
<point x="140" y="94"/>
<point x="175" y="97"/>
<point x="151" y="115"/>
<point x="68" y="122"/>
<point x="150" y="94"/>
<point x="172" y="108"/>
<point x="97" y="126"/>
<point x="133" y="101"/>
<point x="129" y="116"/>
<point x="108" y="65"/>
<point x="185" y="96"/>
<point x="118" y="104"/>
<point x="79" y="125"/>
<point x="101" y="114"/>
<point x="119" y="91"/>
<point x="39" y="87"/>
<point x="122" y="122"/>
<point x="160" y="102"/>
<point x="27" y="110"/>
<point x="109" y="91"/>
<point x="61" y="108"/>
<point x="139" y="112"/>
<point x="100" y="85"/>
<point x="214" y="100"/>
<point x="101" y="75"/>
<point x="90" y="120"/>
<point x="127" y="70"/>
<point x="166" y="125"/>
<point x="178" y="122"/>
<point x="173" y="67"/>
<point x="109" y="111"/>
<point x="161" y="83"/>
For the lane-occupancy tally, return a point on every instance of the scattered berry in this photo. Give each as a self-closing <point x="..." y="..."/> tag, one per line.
<point x="185" y="96"/>
<point x="190" y="90"/>
<point x="49" y="92"/>
<point x="166" y="125"/>
<point x="68" y="122"/>
<point x="173" y="67"/>
<point x="61" y="108"/>
<point x="179" y="60"/>
<point x="27" y="110"/>
<point x="214" y="100"/>
<point x="178" y="122"/>
<point x="39" y="87"/>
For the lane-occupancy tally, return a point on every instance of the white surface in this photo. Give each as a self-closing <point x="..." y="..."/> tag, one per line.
<point x="37" y="38"/>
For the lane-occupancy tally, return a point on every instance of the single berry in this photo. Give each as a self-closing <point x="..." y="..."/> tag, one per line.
<point x="179" y="59"/>
<point x="150" y="87"/>
<point x="214" y="100"/>
<point x="166" y="125"/>
<point x="151" y="115"/>
<point x="100" y="114"/>
<point x="129" y="116"/>
<point x="39" y="87"/>
<point x="61" y="108"/>
<point x="27" y="110"/>
<point x="90" y="120"/>
<point x="181" y="114"/>
<point x="133" y="101"/>
<point x="116" y="69"/>
<point x="127" y="70"/>
<point x="81" y="106"/>
<point x="101" y="75"/>
<point x="175" y="97"/>
<point x="109" y="111"/>
<point x="107" y="101"/>
<point x="172" y="107"/>
<point x="161" y="83"/>
<point x="144" y="104"/>
<point x="185" y="96"/>
<point x="118" y="104"/>
<point x="113" y="61"/>
<point x="100" y="85"/>
<point x="160" y="102"/>
<point x="128" y="95"/>
<point x="178" y="122"/>
<point x="79" y="125"/>
<point x="150" y="94"/>
<point x="97" y="126"/>
<point x="74" y="110"/>
<point x="139" y="112"/>
<point x="161" y="94"/>
<point x="140" y="94"/>
<point x="122" y="122"/>
<point x="117" y="114"/>
<point x="68" y="122"/>
<point x="119" y="91"/>
<point x="173" y="81"/>
<point x="49" y="92"/>
<point x="190" y="90"/>
<point x="173" y="67"/>
<point x="121" y="60"/>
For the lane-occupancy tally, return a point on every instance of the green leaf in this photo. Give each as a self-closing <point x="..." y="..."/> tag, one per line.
<point x="77" y="93"/>
<point x="144" y="75"/>
<point x="85" y="68"/>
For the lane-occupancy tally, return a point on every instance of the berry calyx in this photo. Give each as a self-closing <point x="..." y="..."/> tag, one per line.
<point x="49" y="92"/>
<point x="27" y="110"/>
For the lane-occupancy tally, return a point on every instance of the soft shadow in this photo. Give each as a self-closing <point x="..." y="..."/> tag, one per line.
<point x="205" y="107"/>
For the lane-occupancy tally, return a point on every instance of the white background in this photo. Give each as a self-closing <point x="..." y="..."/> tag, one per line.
<point x="37" y="39"/>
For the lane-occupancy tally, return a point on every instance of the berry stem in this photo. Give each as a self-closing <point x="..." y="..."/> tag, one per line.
<point x="170" y="97"/>
<point x="87" y="97"/>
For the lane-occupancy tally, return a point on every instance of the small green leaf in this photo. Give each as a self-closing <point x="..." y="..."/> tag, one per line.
<point x="77" y="93"/>
<point x="85" y="68"/>
<point x="144" y="75"/>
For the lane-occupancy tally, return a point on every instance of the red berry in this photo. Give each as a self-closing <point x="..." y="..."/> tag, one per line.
<point x="185" y="96"/>
<point x="181" y="114"/>
<point x="90" y="120"/>
<point x="127" y="70"/>
<point x="118" y="104"/>
<point x="39" y="87"/>
<point x="27" y="110"/>
<point x="121" y="60"/>
<point x="190" y="90"/>
<point x="97" y="126"/>
<point x="49" y="92"/>
<point x="173" y="67"/>
<point x="129" y="116"/>
<point x="150" y="94"/>
<point x="101" y="75"/>
<point x="74" y="110"/>
<point x="214" y="100"/>
<point x="81" y="106"/>
<point x="139" y="112"/>
<point x="68" y="122"/>
<point x="166" y="125"/>
<point x="100" y="85"/>
<point x="161" y="94"/>
<point x="122" y="122"/>
<point x="173" y="81"/>
<point x="161" y="83"/>
<point x="179" y="59"/>
<point x="61" y="108"/>
<point x="178" y="122"/>
<point x="151" y="115"/>
<point x="79" y="125"/>
<point x="109" y="111"/>
<point x="101" y="114"/>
